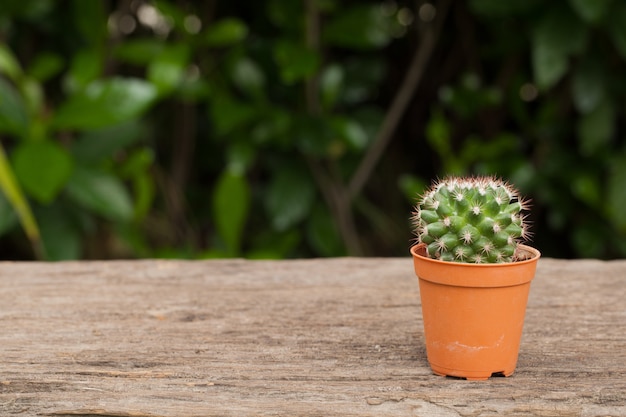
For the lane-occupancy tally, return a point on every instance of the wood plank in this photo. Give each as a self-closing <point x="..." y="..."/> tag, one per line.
<point x="303" y="337"/>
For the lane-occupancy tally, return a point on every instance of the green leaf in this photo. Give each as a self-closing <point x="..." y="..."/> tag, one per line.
<point x="101" y="193"/>
<point x="617" y="192"/>
<point x="136" y="168"/>
<point x="13" y="114"/>
<point x="144" y="189"/>
<point x="228" y="114"/>
<point x="43" y="168"/>
<point x="95" y="145"/>
<point x="295" y="61"/>
<point x="313" y="136"/>
<point x="500" y="152"/>
<point x="597" y="128"/>
<point x="86" y="66"/>
<point x="33" y="97"/>
<point x="289" y="197"/>
<point x="360" y="27"/>
<point x="248" y="76"/>
<point x="11" y="189"/>
<point x="209" y="254"/>
<point x="438" y="133"/>
<point x="287" y="15"/>
<point x="586" y="187"/>
<point x="231" y="203"/>
<point x="8" y="217"/>
<point x="172" y="13"/>
<point x="138" y="51"/>
<point x="240" y="156"/>
<point x="104" y="103"/>
<point x="90" y="19"/>
<point x="362" y="75"/>
<point x="587" y="241"/>
<point x="137" y="161"/>
<point x="588" y="86"/>
<point x="560" y="29"/>
<point x="167" y="70"/>
<point x="549" y="65"/>
<point x="591" y="11"/>
<point x="322" y="235"/>
<point x="370" y="118"/>
<point x="272" y="245"/>
<point x="194" y="89"/>
<point x="226" y="32"/>
<point x="331" y="82"/>
<point x="9" y="65"/>
<point x="617" y="28"/>
<point x="351" y="132"/>
<point x="557" y="35"/>
<point x="26" y="9"/>
<point x="412" y="187"/>
<point x="60" y="233"/>
<point x="273" y="127"/>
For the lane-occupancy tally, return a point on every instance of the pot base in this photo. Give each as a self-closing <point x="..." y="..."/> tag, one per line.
<point x="469" y="375"/>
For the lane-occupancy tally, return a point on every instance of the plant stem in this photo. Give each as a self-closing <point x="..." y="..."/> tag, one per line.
<point x="11" y="189"/>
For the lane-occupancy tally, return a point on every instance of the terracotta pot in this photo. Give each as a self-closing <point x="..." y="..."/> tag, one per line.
<point x="473" y="313"/>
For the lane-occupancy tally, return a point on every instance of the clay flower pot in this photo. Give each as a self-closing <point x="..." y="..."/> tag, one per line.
<point x="474" y="313"/>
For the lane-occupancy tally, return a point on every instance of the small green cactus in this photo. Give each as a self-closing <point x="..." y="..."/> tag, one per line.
<point x="471" y="220"/>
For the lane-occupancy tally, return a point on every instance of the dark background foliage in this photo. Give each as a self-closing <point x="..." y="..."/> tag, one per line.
<point x="281" y="129"/>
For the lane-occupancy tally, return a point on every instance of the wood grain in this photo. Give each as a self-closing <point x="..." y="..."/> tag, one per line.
<point x="299" y="338"/>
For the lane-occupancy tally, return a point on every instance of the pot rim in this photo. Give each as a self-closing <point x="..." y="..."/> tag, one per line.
<point x="475" y="275"/>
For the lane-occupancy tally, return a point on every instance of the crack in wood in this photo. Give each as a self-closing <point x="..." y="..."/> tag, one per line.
<point x="98" y="413"/>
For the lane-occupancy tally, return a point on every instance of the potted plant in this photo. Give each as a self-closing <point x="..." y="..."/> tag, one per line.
<point x="474" y="275"/>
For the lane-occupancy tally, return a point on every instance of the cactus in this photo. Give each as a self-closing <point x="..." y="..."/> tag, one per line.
<point x="471" y="220"/>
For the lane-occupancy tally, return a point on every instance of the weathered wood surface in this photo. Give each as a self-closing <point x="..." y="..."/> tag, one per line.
<point x="298" y="338"/>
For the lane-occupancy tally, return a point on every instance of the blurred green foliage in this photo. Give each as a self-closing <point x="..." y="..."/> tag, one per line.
<point x="174" y="128"/>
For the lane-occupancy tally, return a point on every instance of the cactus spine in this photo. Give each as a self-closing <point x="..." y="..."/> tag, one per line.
<point x="471" y="220"/>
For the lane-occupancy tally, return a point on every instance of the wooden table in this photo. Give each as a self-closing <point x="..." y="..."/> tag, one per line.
<point x="297" y="338"/>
